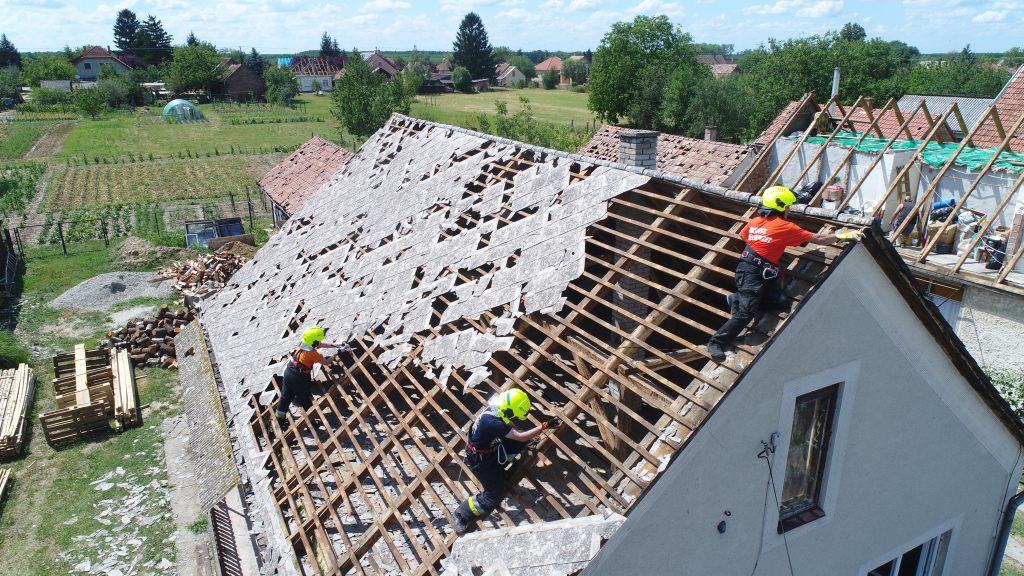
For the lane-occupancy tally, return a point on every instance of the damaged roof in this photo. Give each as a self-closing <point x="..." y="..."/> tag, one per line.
<point x="457" y="265"/>
<point x="292" y="182"/>
<point x="699" y="160"/>
<point x="1010" y="106"/>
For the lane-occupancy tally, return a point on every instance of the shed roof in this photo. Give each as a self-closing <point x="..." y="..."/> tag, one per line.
<point x="700" y="160"/>
<point x="292" y="182"/>
<point x="971" y="109"/>
<point x="458" y="264"/>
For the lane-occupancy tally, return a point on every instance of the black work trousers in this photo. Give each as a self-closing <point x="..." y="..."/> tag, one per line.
<point x="489" y="469"/>
<point x="753" y="291"/>
<point x="295" y="388"/>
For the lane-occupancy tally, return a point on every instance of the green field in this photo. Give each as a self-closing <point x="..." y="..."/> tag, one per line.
<point x="555" y="106"/>
<point x="16" y="138"/>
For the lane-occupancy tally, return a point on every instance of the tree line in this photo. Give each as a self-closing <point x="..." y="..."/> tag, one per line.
<point x="645" y="73"/>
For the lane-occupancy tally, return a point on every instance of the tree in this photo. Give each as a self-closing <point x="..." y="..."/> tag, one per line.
<point x="625" y="52"/>
<point x="502" y="54"/>
<point x="462" y="80"/>
<point x="904" y="53"/>
<point x="282" y="85"/>
<point x="193" y="68"/>
<point x="191" y="39"/>
<point x="525" y="65"/>
<point x="154" y="42"/>
<point x="9" y="55"/>
<point x="471" y="49"/>
<point x="328" y="47"/>
<point x="67" y="53"/>
<point x="574" y="70"/>
<point x="10" y="86"/>
<point x="1013" y="57"/>
<point x="645" y="106"/>
<point x="315" y="86"/>
<point x="413" y="76"/>
<point x="589" y="55"/>
<point x="47" y="68"/>
<point x="853" y="32"/>
<point x="715" y="49"/>
<point x="256" y="62"/>
<point x="126" y="31"/>
<point x="550" y="79"/>
<point x="90" y="101"/>
<point x="362" y="101"/>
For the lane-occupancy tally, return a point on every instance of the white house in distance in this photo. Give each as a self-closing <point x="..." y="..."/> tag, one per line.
<point x="307" y="70"/>
<point x="506" y="74"/>
<point x="88" y="64"/>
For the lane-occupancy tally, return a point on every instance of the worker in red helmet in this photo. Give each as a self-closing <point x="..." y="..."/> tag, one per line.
<point x="297" y="378"/>
<point x="767" y="236"/>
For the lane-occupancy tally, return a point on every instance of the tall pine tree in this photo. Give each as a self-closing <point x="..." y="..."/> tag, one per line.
<point x="471" y="48"/>
<point x="256" y="62"/>
<point x="9" y="55"/>
<point x="328" y="47"/>
<point x="126" y="32"/>
<point x="154" y="42"/>
<point x="191" y="40"/>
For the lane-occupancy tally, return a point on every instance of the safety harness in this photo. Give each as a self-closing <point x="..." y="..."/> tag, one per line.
<point x="769" y="270"/>
<point x="294" y="363"/>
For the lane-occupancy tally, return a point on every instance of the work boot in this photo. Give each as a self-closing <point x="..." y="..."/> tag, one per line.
<point x="459" y="524"/>
<point x="715" y="351"/>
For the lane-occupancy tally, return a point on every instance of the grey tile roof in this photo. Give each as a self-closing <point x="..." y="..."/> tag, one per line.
<point x="970" y="108"/>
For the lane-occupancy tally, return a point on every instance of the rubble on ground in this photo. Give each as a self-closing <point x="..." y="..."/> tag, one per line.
<point x="238" y="249"/>
<point x="102" y="291"/>
<point x="135" y="253"/>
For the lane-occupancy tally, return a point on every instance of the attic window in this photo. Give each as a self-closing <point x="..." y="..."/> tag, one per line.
<point x="88" y="66"/>
<point x="805" y="461"/>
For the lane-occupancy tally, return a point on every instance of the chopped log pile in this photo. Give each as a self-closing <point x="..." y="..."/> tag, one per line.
<point x="91" y="386"/>
<point x="17" y="387"/>
<point x="205" y="276"/>
<point x="126" y="395"/>
<point x="149" y="340"/>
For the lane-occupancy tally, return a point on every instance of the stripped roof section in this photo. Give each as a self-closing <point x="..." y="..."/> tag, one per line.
<point x="457" y="265"/>
<point x="971" y="109"/>
<point x="774" y="130"/>
<point x="889" y="124"/>
<point x="292" y="182"/>
<point x="699" y="160"/>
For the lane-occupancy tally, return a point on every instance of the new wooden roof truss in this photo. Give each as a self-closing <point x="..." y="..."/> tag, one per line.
<point x="365" y="481"/>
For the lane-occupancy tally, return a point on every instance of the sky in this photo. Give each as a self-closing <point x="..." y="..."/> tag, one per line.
<point x="285" y="26"/>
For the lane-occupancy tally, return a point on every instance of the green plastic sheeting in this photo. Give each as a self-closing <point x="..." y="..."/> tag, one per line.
<point x="934" y="154"/>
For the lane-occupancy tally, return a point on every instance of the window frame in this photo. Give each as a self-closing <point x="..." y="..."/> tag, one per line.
<point x="952" y="525"/>
<point x="88" y="65"/>
<point x="796" y="518"/>
<point x="847" y="376"/>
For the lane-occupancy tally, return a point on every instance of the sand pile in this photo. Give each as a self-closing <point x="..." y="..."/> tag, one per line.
<point x="238" y="249"/>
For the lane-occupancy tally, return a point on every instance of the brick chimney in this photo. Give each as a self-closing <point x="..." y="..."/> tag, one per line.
<point x="711" y="133"/>
<point x="639" y="148"/>
<point x="870" y="102"/>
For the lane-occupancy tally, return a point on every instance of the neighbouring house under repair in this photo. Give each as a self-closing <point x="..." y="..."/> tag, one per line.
<point x="458" y="265"/>
<point x="967" y="194"/>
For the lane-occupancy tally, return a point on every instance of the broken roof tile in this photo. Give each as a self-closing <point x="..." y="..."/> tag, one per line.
<point x="292" y="182"/>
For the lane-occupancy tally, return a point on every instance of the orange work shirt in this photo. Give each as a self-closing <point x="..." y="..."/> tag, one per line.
<point x="307" y="358"/>
<point x="769" y="237"/>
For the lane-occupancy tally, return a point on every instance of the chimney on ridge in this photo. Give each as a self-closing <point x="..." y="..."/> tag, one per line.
<point x="639" y="148"/>
<point x="870" y="102"/>
<point x="711" y="133"/>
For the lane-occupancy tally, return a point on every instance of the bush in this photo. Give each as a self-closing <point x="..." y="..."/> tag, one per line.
<point x="462" y="80"/>
<point x="48" y="97"/>
<point x="12" y="352"/>
<point x="115" y="92"/>
<point x="1010" y="384"/>
<point x="550" y="79"/>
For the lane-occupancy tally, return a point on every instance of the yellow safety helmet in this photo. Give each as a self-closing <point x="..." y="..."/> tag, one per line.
<point x="778" y="198"/>
<point x="514" y="404"/>
<point x="313" y="336"/>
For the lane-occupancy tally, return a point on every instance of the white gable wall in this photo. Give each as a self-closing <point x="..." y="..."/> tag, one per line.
<point x="915" y="451"/>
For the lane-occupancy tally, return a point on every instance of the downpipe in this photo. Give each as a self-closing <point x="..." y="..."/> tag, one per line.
<point x="1004" y="532"/>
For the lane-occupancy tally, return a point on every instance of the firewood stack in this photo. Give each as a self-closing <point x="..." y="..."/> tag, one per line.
<point x="150" y="339"/>
<point x="205" y="275"/>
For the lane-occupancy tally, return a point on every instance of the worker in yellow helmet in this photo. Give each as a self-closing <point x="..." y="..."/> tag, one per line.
<point x="494" y="441"/>
<point x="767" y="236"/>
<point x="297" y="377"/>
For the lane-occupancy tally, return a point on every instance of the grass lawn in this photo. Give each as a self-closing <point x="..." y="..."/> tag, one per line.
<point x="16" y="138"/>
<point x="52" y="517"/>
<point x="555" y="106"/>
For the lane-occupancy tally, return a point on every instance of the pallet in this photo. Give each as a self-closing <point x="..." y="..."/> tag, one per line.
<point x="126" y="395"/>
<point x="99" y="381"/>
<point x="70" y="422"/>
<point x="17" y="388"/>
<point x="64" y="364"/>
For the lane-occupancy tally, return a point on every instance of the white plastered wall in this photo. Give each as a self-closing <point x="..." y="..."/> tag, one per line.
<point x="915" y="450"/>
<point x="991" y="325"/>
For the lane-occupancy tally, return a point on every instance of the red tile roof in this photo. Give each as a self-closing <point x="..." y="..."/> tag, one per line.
<point x="294" y="181"/>
<point x="100" y="54"/>
<point x="774" y="129"/>
<point x="701" y="160"/>
<point x="553" y="62"/>
<point x="1009" y="105"/>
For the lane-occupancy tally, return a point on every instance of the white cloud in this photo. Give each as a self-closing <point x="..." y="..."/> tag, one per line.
<point x="822" y="8"/>
<point x="584" y="5"/>
<point x="671" y="9"/>
<point x="867" y="20"/>
<point x="384" y="6"/>
<point x="780" y="7"/>
<point x="552" y="5"/>
<point x="991" y="16"/>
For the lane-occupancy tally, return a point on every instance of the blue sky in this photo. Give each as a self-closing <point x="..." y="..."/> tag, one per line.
<point x="275" y="26"/>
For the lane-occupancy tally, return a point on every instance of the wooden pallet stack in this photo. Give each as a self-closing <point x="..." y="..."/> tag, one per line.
<point x="82" y="412"/>
<point x="126" y="395"/>
<point x="150" y="339"/>
<point x="5" y="476"/>
<point x="17" y="387"/>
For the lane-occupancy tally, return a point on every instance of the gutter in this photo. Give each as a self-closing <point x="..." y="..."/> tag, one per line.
<point x="752" y="199"/>
<point x="1004" y="532"/>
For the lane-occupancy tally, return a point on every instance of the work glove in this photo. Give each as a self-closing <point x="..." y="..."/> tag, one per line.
<point x="551" y="424"/>
<point x="851" y="236"/>
<point x="346" y="348"/>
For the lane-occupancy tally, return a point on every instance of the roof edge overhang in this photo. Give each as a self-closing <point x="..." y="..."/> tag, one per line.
<point x="744" y="197"/>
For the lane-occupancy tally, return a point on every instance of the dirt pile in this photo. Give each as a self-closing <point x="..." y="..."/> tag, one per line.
<point x="238" y="249"/>
<point x="135" y="253"/>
